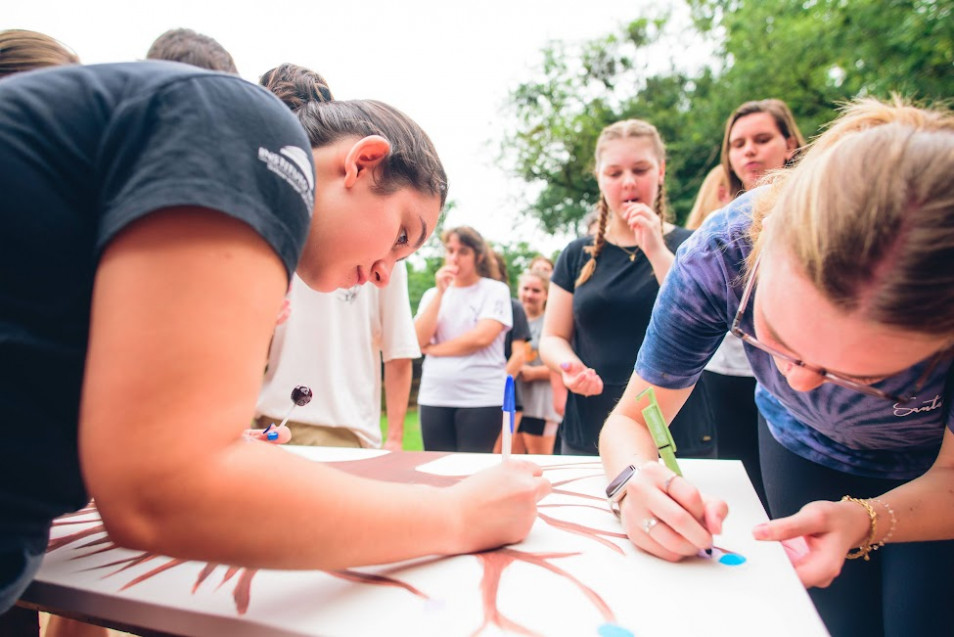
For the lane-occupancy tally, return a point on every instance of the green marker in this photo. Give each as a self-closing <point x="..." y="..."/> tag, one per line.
<point x="659" y="430"/>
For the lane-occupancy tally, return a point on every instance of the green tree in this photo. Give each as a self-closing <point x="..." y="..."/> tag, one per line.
<point x="814" y="54"/>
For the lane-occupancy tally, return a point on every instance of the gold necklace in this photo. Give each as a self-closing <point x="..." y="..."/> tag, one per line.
<point x="632" y="255"/>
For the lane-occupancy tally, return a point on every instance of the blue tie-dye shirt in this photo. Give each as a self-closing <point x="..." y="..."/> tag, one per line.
<point x="833" y="426"/>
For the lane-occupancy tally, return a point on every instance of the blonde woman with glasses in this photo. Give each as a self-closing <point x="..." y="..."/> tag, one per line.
<point x="837" y="276"/>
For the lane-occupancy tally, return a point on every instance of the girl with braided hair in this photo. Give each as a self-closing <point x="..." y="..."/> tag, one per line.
<point x="603" y="289"/>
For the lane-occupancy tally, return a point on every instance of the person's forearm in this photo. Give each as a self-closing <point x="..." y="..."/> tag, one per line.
<point x="555" y="350"/>
<point x="234" y="508"/>
<point x="923" y="508"/>
<point x="535" y="373"/>
<point x="425" y="324"/>
<point x="461" y="346"/>
<point x="397" y="392"/>
<point x="515" y="362"/>
<point x="482" y="335"/>
<point x="624" y="441"/>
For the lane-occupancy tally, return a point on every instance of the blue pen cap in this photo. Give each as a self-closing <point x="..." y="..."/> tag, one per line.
<point x="510" y="402"/>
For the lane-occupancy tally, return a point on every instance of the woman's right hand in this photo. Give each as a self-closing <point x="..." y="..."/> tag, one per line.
<point x="665" y="515"/>
<point x="445" y="276"/>
<point x="580" y="379"/>
<point x="498" y="505"/>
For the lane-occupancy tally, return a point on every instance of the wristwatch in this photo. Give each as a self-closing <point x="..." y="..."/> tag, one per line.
<point x="616" y="489"/>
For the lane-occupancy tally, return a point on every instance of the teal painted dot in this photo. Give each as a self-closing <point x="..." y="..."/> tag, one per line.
<point x="612" y="630"/>
<point x="732" y="559"/>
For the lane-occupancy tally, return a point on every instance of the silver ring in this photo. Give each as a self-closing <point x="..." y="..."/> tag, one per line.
<point x="668" y="482"/>
<point x="649" y="524"/>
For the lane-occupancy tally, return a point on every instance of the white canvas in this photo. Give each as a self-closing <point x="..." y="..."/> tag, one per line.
<point x="575" y="574"/>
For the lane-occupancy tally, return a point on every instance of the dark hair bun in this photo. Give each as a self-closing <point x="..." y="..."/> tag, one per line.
<point x="296" y="86"/>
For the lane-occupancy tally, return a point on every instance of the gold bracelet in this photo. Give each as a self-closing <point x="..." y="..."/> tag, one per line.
<point x="894" y="521"/>
<point x="865" y="549"/>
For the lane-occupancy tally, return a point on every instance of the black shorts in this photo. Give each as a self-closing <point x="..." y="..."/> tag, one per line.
<point x="531" y="425"/>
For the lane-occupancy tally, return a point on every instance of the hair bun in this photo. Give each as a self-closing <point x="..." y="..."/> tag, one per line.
<point x="296" y="86"/>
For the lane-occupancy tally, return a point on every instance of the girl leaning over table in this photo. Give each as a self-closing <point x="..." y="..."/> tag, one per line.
<point x="154" y="213"/>
<point x="838" y="277"/>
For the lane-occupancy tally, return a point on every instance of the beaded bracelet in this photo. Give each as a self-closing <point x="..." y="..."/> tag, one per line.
<point x="865" y="549"/>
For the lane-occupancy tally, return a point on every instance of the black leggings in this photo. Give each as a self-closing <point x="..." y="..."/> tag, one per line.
<point x="466" y="429"/>
<point x="736" y="419"/>
<point x="904" y="589"/>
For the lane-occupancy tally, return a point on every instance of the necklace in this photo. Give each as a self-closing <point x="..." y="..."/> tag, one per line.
<point x="632" y="253"/>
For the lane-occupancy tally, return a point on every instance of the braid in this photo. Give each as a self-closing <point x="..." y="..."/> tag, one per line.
<point x="661" y="205"/>
<point x="598" y="241"/>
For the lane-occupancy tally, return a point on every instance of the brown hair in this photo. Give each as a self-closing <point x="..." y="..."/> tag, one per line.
<point x="868" y="215"/>
<point x="412" y="161"/>
<point x="22" y="50"/>
<point x="189" y="47"/>
<point x="712" y="195"/>
<point x="622" y="130"/>
<point x="485" y="259"/>
<point x="784" y="120"/>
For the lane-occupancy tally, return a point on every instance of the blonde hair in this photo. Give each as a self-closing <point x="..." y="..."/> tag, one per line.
<point x="713" y="194"/>
<point x="784" y="121"/>
<point x="868" y="215"/>
<point x="635" y="128"/>
<point x="536" y="273"/>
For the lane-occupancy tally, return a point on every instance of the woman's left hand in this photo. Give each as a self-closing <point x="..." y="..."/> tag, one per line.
<point x="646" y="226"/>
<point x="818" y="537"/>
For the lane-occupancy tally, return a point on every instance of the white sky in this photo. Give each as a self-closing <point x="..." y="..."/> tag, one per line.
<point x="448" y="64"/>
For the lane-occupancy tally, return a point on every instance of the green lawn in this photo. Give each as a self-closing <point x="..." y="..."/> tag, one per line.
<point x="412" y="431"/>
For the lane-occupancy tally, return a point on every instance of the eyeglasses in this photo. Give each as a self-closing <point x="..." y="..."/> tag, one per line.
<point x="831" y="377"/>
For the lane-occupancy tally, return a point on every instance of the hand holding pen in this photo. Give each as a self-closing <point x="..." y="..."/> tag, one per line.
<point x="664" y="514"/>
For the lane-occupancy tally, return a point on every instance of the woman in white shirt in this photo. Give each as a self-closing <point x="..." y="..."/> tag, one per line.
<point x="461" y="325"/>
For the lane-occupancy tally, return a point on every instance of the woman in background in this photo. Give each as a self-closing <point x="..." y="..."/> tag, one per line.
<point x="760" y="137"/>
<point x="540" y="419"/>
<point x="461" y="325"/>
<point x="604" y="286"/>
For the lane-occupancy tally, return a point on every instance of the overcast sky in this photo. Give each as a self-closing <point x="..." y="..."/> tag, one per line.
<point x="448" y="64"/>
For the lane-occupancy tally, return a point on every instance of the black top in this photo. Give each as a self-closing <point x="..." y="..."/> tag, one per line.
<point x="84" y="151"/>
<point x="521" y="332"/>
<point x="611" y="313"/>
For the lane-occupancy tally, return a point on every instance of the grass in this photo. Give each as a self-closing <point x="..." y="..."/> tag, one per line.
<point x="412" y="430"/>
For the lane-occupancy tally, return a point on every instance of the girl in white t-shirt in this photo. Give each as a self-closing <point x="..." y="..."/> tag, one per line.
<point x="461" y="325"/>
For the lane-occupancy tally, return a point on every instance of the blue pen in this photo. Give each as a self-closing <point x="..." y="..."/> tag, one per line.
<point x="506" y="428"/>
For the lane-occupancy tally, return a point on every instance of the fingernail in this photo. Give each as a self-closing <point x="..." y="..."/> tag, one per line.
<point x="564" y="366"/>
<point x="760" y="530"/>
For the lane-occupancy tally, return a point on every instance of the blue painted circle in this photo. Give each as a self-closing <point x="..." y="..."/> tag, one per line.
<point x="732" y="559"/>
<point x="612" y="630"/>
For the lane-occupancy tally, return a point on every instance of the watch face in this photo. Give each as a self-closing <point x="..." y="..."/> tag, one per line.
<point x="615" y="488"/>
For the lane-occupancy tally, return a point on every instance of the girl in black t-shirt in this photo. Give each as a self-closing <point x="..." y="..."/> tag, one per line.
<point x="154" y="213"/>
<point x="603" y="289"/>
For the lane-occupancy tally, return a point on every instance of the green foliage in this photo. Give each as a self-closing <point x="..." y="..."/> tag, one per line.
<point x="517" y="257"/>
<point x="814" y="54"/>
